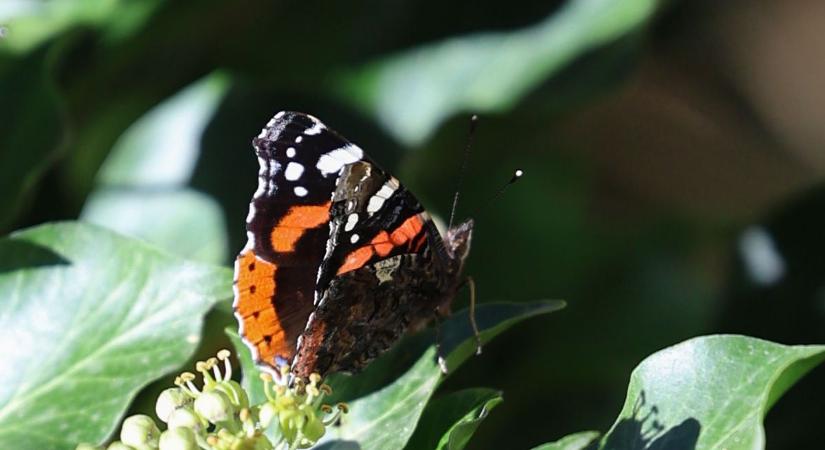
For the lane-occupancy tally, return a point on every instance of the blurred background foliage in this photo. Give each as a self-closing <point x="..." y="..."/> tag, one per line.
<point x="673" y="152"/>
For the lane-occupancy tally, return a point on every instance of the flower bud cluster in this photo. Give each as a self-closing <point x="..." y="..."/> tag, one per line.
<point x="299" y="411"/>
<point x="217" y="416"/>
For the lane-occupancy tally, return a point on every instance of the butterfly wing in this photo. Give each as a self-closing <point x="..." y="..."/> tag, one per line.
<point x="287" y="231"/>
<point x="380" y="274"/>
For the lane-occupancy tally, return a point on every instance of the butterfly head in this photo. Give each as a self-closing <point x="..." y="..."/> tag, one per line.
<point x="457" y="241"/>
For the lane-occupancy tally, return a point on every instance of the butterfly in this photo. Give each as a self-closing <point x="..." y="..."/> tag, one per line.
<point x="341" y="260"/>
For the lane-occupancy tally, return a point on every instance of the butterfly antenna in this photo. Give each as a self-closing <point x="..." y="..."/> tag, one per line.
<point x="473" y="123"/>
<point x="516" y="176"/>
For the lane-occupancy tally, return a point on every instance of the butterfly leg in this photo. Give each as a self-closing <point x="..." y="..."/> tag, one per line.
<point x="473" y="323"/>
<point x="442" y="362"/>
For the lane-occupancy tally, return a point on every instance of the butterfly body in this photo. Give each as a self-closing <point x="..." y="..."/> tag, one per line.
<point x="341" y="258"/>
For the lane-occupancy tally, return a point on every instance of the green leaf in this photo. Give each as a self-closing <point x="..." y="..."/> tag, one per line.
<point x="577" y="441"/>
<point x="412" y="92"/>
<point x="385" y="404"/>
<point x="250" y="380"/>
<point x="183" y="221"/>
<point x="448" y="422"/>
<point x="142" y="184"/>
<point x="87" y="318"/>
<point x="32" y="22"/>
<point x="162" y="147"/>
<point x="708" y="393"/>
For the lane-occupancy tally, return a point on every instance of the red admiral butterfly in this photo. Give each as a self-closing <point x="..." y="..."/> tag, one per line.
<point x="341" y="258"/>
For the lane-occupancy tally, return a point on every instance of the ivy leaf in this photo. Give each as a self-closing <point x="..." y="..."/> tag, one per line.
<point x="448" y="422"/>
<point x="388" y="398"/>
<point x="87" y="318"/>
<point x="144" y="178"/>
<point x="31" y="22"/>
<point x="708" y="393"/>
<point x="412" y="92"/>
<point x="183" y="221"/>
<point x="162" y="147"/>
<point x="578" y="441"/>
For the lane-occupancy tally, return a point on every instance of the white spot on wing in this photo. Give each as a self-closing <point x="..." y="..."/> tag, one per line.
<point x="352" y="219"/>
<point x="293" y="171"/>
<point x="290" y="152"/>
<point x="333" y="161"/>
<point x="316" y="128"/>
<point x="377" y="200"/>
<point x="385" y="191"/>
<point x="300" y="191"/>
<point x="299" y="139"/>
<point x="375" y="204"/>
<point x="354" y="238"/>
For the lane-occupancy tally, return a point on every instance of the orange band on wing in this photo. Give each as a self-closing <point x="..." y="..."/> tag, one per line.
<point x="261" y="325"/>
<point x="381" y="243"/>
<point x="291" y="227"/>
<point x="407" y="230"/>
<point x="356" y="259"/>
<point x="284" y="239"/>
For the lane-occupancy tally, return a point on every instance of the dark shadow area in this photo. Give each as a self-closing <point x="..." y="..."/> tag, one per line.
<point x="777" y="292"/>
<point x="644" y="432"/>
<point x="17" y="254"/>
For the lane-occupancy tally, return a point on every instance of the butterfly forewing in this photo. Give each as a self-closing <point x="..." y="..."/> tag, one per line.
<point x="287" y="230"/>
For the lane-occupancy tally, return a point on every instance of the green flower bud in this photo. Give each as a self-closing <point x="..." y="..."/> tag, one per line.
<point x="170" y="400"/>
<point x="267" y="414"/>
<point x="314" y="428"/>
<point x="214" y="406"/>
<point x="234" y="392"/>
<point x="185" y="418"/>
<point x="140" y="432"/>
<point x="178" y="439"/>
<point x="117" y="445"/>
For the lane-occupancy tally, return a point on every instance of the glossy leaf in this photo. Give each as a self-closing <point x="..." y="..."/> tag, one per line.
<point x="142" y="184"/>
<point x="182" y="221"/>
<point x="87" y="318"/>
<point x="708" y="393"/>
<point x="577" y="441"/>
<point x="412" y="92"/>
<point x="162" y="147"/>
<point x="449" y="421"/>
